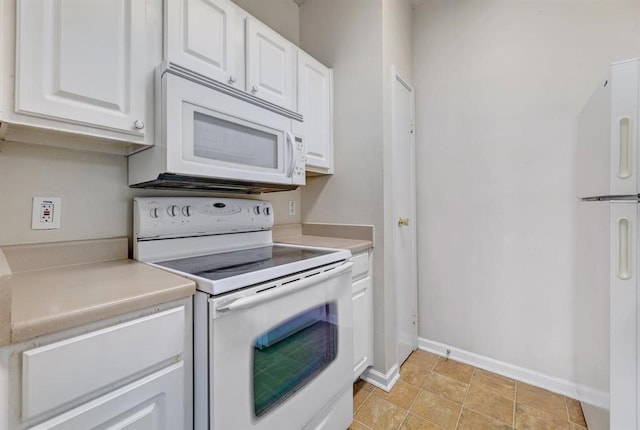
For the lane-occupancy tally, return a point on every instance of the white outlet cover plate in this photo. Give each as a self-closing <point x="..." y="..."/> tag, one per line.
<point x="38" y="221"/>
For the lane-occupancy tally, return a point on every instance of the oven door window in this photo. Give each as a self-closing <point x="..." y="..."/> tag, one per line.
<point x="290" y="355"/>
<point x="235" y="141"/>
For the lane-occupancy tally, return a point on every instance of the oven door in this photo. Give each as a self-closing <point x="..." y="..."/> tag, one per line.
<point x="280" y="355"/>
<point x="211" y="134"/>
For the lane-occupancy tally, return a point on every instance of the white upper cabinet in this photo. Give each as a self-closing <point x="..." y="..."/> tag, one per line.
<point x="86" y="63"/>
<point x="200" y="35"/>
<point x="315" y="103"/>
<point x="270" y="65"/>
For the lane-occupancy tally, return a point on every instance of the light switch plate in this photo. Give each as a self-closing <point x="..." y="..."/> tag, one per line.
<point x="46" y="213"/>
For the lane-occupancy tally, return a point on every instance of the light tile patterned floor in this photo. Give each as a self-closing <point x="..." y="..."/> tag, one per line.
<point x="438" y="394"/>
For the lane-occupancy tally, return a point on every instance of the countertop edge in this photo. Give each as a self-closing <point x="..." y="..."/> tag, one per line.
<point x="23" y="331"/>
<point x="355" y="246"/>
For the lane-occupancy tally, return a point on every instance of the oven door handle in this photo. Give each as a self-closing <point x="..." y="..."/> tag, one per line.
<point x="283" y="290"/>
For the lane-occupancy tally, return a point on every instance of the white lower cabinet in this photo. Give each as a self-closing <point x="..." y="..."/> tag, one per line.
<point x="132" y="372"/>
<point x="362" y="314"/>
<point x="151" y="403"/>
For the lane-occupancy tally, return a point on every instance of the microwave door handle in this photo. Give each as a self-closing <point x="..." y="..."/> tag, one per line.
<point x="292" y="160"/>
<point x="283" y="290"/>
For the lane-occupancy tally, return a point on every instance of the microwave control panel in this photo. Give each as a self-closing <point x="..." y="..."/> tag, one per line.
<point x="301" y="160"/>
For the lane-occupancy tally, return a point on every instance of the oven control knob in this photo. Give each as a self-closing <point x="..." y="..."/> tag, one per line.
<point x="173" y="211"/>
<point x="187" y="210"/>
<point x="155" y="213"/>
<point x="256" y="210"/>
<point x="267" y="211"/>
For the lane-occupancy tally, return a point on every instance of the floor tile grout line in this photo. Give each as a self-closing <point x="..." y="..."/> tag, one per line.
<point x="421" y="389"/>
<point x="566" y="408"/>
<point x="489" y="416"/>
<point x="464" y="400"/>
<point x="362" y="424"/>
<point x="515" y="402"/>
<point x="403" y="419"/>
<point x="363" y="402"/>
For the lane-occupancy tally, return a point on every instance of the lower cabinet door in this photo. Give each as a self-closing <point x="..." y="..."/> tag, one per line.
<point x="362" y="326"/>
<point x="153" y="402"/>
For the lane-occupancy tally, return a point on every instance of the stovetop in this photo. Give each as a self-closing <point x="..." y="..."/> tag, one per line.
<point x="234" y="263"/>
<point x="223" y="244"/>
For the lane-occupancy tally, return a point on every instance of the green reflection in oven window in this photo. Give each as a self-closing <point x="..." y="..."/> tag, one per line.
<point x="290" y="355"/>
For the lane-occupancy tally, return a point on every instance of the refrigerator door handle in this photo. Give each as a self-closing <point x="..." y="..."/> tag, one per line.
<point x="624" y="249"/>
<point x="624" y="156"/>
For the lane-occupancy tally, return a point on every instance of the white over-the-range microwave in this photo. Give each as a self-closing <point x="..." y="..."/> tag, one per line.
<point x="213" y="137"/>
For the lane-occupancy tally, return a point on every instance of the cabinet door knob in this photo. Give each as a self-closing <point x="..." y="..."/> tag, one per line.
<point x="254" y="89"/>
<point x="138" y="125"/>
<point x="232" y="79"/>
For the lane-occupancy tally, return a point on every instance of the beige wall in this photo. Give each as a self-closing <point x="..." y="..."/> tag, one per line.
<point x="499" y="84"/>
<point x="359" y="40"/>
<point x="96" y="201"/>
<point x="280" y="15"/>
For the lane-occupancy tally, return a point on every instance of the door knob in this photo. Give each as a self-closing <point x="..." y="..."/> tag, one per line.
<point x="403" y="222"/>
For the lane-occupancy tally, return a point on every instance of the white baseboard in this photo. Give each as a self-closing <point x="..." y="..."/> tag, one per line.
<point x="551" y="383"/>
<point x="383" y="381"/>
<point x="593" y="397"/>
<point x="597" y="418"/>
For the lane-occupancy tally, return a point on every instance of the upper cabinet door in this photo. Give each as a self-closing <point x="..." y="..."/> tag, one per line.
<point x="315" y="103"/>
<point x="83" y="62"/>
<point x="201" y="36"/>
<point x="270" y="65"/>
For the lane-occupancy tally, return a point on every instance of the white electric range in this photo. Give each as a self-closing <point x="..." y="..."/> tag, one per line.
<point x="272" y="322"/>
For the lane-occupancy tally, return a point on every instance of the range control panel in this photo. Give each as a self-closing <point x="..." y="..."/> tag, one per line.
<point x="155" y="217"/>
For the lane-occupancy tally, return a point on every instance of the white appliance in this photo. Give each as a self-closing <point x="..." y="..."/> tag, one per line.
<point x="273" y="326"/>
<point x="607" y="240"/>
<point x="210" y="136"/>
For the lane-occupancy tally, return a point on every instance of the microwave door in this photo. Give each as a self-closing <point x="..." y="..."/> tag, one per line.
<point x="211" y="134"/>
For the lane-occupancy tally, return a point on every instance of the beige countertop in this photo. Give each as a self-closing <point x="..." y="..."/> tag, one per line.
<point x="355" y="238"/>
<point x="42" y="301"/>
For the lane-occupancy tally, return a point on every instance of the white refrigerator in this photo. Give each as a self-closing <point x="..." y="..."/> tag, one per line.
<point x="607" y="239"/>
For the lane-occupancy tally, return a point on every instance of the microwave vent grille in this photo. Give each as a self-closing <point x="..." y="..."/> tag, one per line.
<point x="169" y="181"/>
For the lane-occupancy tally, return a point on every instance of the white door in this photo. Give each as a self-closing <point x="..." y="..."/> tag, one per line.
<point x="83" y="62"/>
<point x="624" y="305"/>
<point x="315" y="104"/>
<point x="270" y="65"/>
<point x="201" y="36"/>
<point x="404" y="236"/>
<point x="155" y="402"/>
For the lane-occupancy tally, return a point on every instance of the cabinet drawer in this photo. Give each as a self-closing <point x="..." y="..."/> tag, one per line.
<point x="360" y="265"/>
<point x="65" y="371"/>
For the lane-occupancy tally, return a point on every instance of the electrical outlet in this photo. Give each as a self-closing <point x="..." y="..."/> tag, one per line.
<point x="46" y="213"/>
<point x="292" y="207"/>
